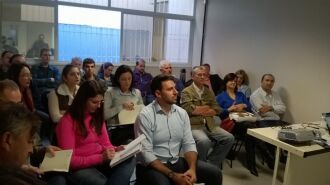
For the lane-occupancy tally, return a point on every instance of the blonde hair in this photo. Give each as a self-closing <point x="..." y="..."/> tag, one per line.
<point x="245" y="76"/>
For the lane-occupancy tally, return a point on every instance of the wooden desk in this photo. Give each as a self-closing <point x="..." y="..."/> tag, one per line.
<point x="305" y="165"/>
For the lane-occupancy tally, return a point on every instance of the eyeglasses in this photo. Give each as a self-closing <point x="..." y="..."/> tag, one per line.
<point x="200" y="75"/>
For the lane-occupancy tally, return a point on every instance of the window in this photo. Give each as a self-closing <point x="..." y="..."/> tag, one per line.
<point x="26" y="29"/>
<point x="181" y="7"/>
<point x="137" y="38"/>
<point x="146" y="5"/>
<point x="86" y="32"/>
<point x="177" y="40"/>
<point x="90" y="2"/>
<point x="106" y="30"/>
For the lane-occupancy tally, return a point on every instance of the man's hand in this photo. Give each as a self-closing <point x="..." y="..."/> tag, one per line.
<point x="210" y="112"/>
<point x="265" y="108"/>
<point x="52" y="149"/>
<point x="202" y="110"/>
<point x="181" y="179"/>
<point x="191" y="174"/>
<point x="33" y="169"/>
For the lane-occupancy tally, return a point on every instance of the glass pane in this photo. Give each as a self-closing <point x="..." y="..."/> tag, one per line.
<point x="26" y="29"/>
<point x="137" y="38"/>
<point x="177" y="40"/>
<point x="182" y="7"/>
<point x="91" y="2"/>
<point x="146" y="5"/>
<point x="158" y="40"/>
<point x="171" y="40"/>
<point x="86" y="32"/>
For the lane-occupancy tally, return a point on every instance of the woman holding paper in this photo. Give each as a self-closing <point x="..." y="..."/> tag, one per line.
<point x="231" y="100"/>
<point x="122" y="95"/>
<point x="82" y="129"/>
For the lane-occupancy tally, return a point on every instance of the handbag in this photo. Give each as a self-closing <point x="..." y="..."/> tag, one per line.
<point x="242" y="116"/>
<point x="227" y="124"/>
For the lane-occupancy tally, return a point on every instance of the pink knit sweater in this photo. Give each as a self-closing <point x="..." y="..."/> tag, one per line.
<point x="87" y="151"/>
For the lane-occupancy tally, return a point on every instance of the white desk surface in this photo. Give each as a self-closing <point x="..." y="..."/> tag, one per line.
<point x="269" y="135"/>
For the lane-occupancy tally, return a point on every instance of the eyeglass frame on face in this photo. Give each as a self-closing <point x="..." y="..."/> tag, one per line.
<point x="96" y="102"/>
<point x="202" y="74"/>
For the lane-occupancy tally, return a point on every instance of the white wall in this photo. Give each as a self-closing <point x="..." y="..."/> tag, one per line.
<point x="289" y="38"/>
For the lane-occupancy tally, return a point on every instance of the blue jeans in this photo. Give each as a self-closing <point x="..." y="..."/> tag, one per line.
<point x="218" y="138"/>
<point x="206" y="173"/>
<point x="104" y="175"/>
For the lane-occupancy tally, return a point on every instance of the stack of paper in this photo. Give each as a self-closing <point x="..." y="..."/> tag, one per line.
<point x="129" y="116"/>
<point x="60" y="162"/>
<point x="131" y="149"/>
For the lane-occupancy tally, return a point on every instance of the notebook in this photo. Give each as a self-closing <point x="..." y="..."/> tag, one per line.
<point x="60" y="162"/>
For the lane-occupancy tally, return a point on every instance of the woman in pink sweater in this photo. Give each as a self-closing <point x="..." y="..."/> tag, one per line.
<point x="82" y="129"/>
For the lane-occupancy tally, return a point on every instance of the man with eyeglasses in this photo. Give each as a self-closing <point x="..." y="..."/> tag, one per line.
<point x="10" y="100"/>
<point x="201" y="106"/>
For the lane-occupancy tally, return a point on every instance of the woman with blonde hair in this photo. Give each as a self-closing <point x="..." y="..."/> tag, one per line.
<point x="242" y="83"/>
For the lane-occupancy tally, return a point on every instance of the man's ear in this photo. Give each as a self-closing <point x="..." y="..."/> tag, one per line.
<point x="6" y="141"/>
<point x="157" y="93"/>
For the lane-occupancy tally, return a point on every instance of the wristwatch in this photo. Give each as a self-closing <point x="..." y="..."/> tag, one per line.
<point x="171" y="174"/>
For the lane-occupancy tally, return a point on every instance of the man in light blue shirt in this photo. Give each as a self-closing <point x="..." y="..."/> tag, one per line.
<point x="167" y="130"/>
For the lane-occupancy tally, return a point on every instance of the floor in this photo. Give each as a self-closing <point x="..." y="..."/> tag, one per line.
<point x="238" y="174"/>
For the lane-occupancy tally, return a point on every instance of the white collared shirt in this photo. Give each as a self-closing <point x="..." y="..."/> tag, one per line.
<point x="198" y="90"/>
<point x="259" y="97"/>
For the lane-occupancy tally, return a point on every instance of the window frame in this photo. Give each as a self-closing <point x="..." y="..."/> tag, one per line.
<point x="56" y="3"/>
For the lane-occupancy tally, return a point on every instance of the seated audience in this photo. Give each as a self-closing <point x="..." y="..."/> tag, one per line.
<point x="231" y="100"/>
<point x="242" y="83"/>
<point x="20" y="73"/>
<point x="214" y="82"/>
<point x="12" y="175"/>
<point x="18" y="128"/>
<point x="46" y="76"/>
<point x="105" y="73"/>
<point x="76" y="61"/>
<point x="268" y="107"/>
<point x="167" y="130"/>
<point x="60" y="99"/>
<point x="89" y="73"/>
<point x="122" y="95"/>
<point x="5" y="64"/>
<point x="17" y="58"/>
<point x="18" y="132"/>
<point x="201" y="106"/>
<point x="165" y="68"/>
<point x="83" y="129"/>
<point x="142" y="79"/>
<point x="267" y="103"/>
<point x="9" y="92"/>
